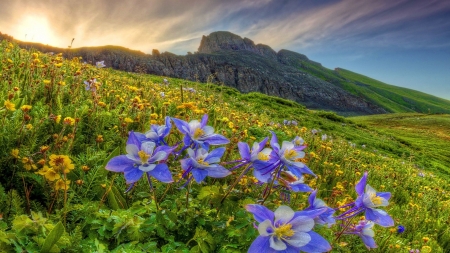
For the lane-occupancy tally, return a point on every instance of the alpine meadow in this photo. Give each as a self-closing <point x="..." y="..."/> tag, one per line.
<point x="94" y="159"/>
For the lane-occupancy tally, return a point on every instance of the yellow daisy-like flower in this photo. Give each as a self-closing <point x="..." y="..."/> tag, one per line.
<point x="15" y="153"/>
<point x="51" y="175"/>
<point x="46" y="81"/>
<point x="9" y="106"/>
<point x="128" y="120"/>
<point x="25" y="108"/>
<point x="61" y="163"/>
<point x="29" y="126"/>
<point x="69" y="121"/>
<point x="43" y="170"/>
<point x="62" y="184"/>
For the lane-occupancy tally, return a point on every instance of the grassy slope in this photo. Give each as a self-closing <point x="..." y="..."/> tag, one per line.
<point x="390" y="97"/>
<point x="250" y="116"/>
<point x="427" y="135"/>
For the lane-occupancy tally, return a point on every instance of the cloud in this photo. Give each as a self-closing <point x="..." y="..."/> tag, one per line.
<point x="177" y="26"/>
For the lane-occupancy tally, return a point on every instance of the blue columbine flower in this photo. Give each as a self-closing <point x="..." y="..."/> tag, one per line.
<point x="198" y="134"/>
<point x="142" y="157"/>
<point x="366" y="202"/>
<point x="364" y="229"/>
<point x="368" y="199"/>
<point x="201" y="164"/>
<point x="157" y="133"/>
<point x="286" y="231"/>
<point x="288" y="180"/>
<point x="400" y="229"/>
<point x="324" y="218"/>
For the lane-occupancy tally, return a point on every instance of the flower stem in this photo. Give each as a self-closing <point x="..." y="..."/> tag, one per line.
<point x="235" y="183"/>
<point x="149" y="180"/>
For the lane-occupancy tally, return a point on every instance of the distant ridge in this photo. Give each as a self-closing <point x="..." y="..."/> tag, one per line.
<point x="224" y="57"/>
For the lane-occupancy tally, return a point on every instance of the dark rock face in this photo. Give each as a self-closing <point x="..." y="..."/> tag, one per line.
<point x="229" y="59"/>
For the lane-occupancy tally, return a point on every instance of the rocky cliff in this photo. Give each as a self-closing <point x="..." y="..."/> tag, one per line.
<point x="237" y="62"/>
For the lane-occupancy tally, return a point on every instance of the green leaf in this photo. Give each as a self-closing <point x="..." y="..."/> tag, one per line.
<point x="53" y="237"/>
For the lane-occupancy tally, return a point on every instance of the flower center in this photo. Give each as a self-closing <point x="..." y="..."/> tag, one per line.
<point x="200" y="161"/>
<point x="290" y="154"/>
<point x="284" y="231"/>
<point x="198" y="133"/>
<point x="262" y="156"/>
<point x="376" y="200"/>
<point x="144" y="156"/>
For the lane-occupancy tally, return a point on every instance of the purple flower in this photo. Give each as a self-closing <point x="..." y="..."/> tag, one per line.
<point x="368" y="199"/>
<point x="100" y="64"/>
<point x="142" y="158"/>
<point x="257" y="153"/>
<point x="91" y="84"/>
<point x="198" y="134"/>
<point x="298" y="141"/>
<point x="201" y="164"/>
<point x="285" y="157"/>
<point x="292" y="183"/>
<point x="400" y="229"/>
<point x="286" y="231"/>
<point x="325" y="217"/>
<point x="364" y="229"/>
<point x="157" y="133"/>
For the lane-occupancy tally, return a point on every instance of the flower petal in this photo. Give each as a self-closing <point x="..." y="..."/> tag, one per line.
<point x="299" y="239"/>
<point x="361" y="185"/>
<point x="260" y="244"/>
<point x="317" y="244"/>
<point x="283" y="215"/>
<point x="217" y="171"/>
<point x="199" y="174"/>
<point x="260" y="213"/>
<point x="132" y="175"/>
<point x="265" y="228"/>
<point x="162" y="173"/>
<point x="215" y="139"/>
<point x="302" y="224"/>
<point x="277" y="244"/>
<point x="244" y="150"/>
<point x="215" y="155"/>
<point x="119" y="163"/>
<point x="380" y="217"/>
<point x="182" y="125"/>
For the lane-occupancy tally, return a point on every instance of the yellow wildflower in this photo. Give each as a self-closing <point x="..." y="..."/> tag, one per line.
<point x="28" y="163"/>
<point x="62" y="184"/>
<point x="46" y="81"/>
<point x="51" y="174"/>
<point x="61" y="163"/>
<point x="128" y="120"/>
<point x="15" y="153"/>
<point x="25" y="108"/>
<point x="57" y="119"/>
<point x="9" y="106"/>
<point x="69" y="121"/>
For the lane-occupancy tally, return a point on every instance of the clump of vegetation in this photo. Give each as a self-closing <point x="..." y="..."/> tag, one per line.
<point x="97" y="160"/>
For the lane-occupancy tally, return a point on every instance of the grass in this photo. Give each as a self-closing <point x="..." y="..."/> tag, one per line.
<point x="88" y="210"/>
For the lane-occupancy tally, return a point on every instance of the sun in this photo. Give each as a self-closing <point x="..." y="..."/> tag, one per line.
<point x="35" y="28"/>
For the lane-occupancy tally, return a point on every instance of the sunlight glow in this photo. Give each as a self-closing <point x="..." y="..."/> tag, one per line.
<point x="35" y="28"/>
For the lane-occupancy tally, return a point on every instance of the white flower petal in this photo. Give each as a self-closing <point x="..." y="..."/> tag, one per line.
<point x="302" y="224"/>
<point x="263" y="226"/>
<point x="277" y="244"/>
<point x="283" y="214"/>
<point x="147" y="167"/>
<point x="299" y="239"/>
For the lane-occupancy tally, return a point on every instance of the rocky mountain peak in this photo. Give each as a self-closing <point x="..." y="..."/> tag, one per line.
<point x="223" y="41"/>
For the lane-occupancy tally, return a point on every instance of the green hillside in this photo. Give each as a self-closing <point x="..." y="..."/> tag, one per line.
<point x="393" y="98"/>
<point x="64" y="123"/>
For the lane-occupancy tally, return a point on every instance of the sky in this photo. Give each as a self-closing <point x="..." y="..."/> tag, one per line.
<point x="403" y="42"/>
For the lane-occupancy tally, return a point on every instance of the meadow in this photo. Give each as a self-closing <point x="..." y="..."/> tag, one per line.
<point x="67" y="185"/>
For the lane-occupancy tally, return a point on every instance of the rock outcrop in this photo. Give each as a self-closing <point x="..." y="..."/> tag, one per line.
<point x="237" y="62"/>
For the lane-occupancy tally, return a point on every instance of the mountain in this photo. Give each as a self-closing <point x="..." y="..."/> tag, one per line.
<point x="229" y="59"/>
